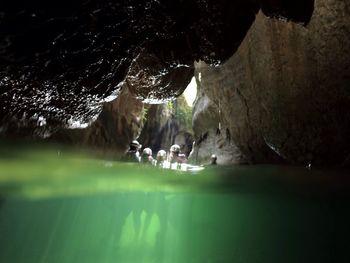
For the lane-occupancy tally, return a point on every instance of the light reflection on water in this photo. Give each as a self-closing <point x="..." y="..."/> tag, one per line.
<point x="59" y="206"/>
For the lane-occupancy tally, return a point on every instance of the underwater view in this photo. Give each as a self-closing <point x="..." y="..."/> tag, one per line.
<point x="63" y="206"/>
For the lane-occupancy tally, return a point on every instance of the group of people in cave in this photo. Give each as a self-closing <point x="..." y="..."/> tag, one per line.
<point x="172" y="160"/>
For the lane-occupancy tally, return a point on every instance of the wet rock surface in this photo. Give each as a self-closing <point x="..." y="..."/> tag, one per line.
<point x="118" y="124"/>
<point x="165" y="126"/>
<point x="285" y="91"/>
<point x="210" y="136"/>
<point x="154" y="81"/>
<point x="160" y="129"/>
<point x="298" y="11"/>
<point x="60" y="60"/>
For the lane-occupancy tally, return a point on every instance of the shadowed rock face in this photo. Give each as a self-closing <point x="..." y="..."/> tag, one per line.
<point x="166" y="124"/>
<point x="117" y="125"/>
<point x="282" y="86"/>
<point x="298" y="11"/>
<point x="154" y="81"/>
<point x="286" y="90"/>
<point x="211" y="137"/>
<point x="160" y="128"/>
<point x="60" y="59"/>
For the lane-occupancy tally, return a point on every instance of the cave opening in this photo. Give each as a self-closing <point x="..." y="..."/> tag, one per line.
<point x="190" y="93"/>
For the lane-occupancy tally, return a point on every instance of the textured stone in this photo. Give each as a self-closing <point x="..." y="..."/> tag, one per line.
<point x="283" y="94"/>
<point x="60" y="60"/>
<point x="118" y="124"/>
<point x="210" y="136"/>
<point x="163" y="128"/>
<point x="154" y="81"/>
<point x="160" y="128"/>
<point x="286" y="89"/>
<point x="298" y="11"/>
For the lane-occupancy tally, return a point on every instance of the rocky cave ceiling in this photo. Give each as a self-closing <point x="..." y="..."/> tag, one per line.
<point x="60" y="59"/>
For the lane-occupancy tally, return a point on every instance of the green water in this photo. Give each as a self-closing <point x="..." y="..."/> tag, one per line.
<point x="66" y="207"/>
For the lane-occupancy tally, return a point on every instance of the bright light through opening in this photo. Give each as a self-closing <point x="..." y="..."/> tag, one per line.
<point x="190" y="92"/>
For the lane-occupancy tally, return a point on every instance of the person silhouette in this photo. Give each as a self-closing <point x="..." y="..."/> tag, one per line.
<point x="133" y="154"/>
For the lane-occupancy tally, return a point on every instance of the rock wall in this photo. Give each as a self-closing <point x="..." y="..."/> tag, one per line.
<point x="285" y="92"/>
<point x="163" y="128"/>
<point x="210" y="136"/>
<point x="128" y="118"/>
<point x="160" y="128"/>
<point x="118" y="124"/>
<point x="60" y="59"/>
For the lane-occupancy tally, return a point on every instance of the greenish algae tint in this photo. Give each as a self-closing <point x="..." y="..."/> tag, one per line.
<point x="67" y="207"/>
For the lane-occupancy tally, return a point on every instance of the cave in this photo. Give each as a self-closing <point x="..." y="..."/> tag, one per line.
<point x="64" y="64"/>
<point x="254" y="93"/>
